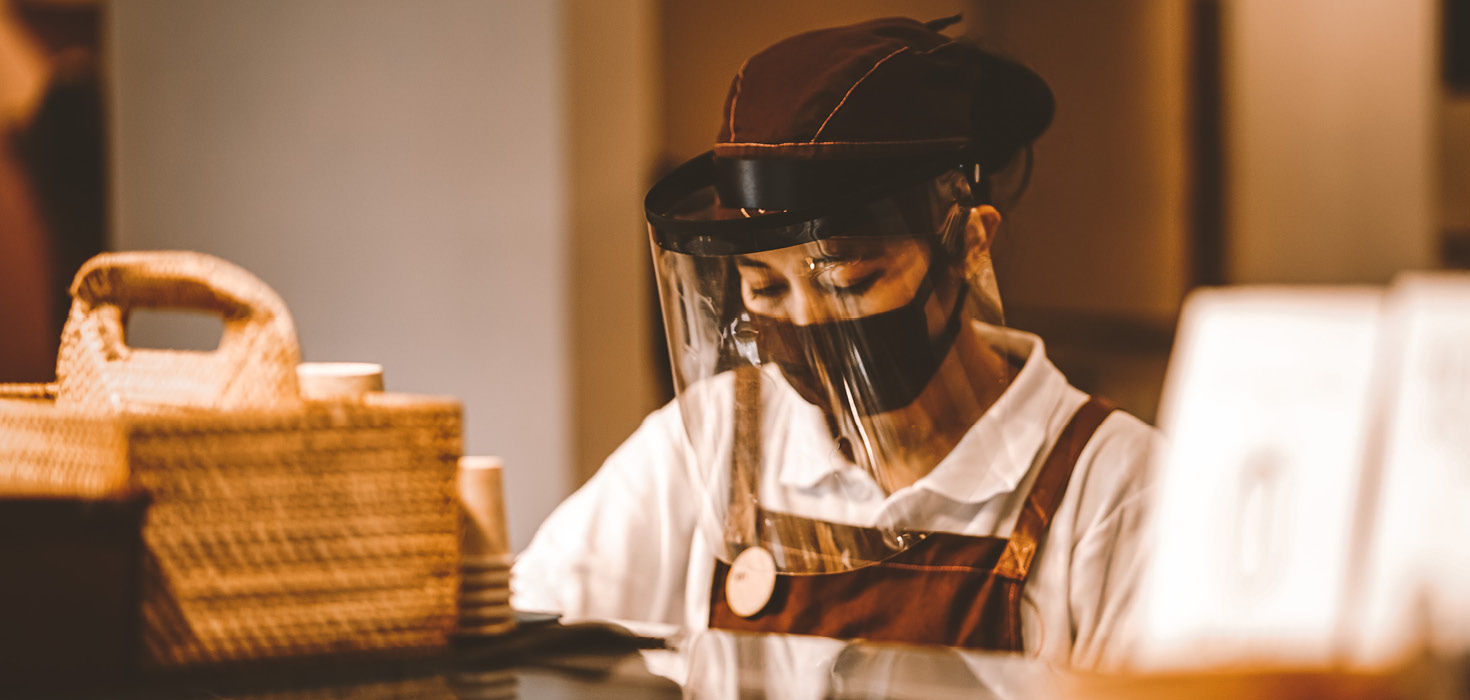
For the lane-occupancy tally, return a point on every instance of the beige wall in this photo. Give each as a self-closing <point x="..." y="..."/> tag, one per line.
<point x="1104" y="227"/>
<point x="395" y="170"/>
<point x="612" y="124"/>
<point x="1330" y="113"/>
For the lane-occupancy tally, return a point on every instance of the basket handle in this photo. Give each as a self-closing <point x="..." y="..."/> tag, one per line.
<point x="254" y="365"/>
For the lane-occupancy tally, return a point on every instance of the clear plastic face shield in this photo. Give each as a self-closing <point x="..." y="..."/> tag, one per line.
<point x="822" y="359"/>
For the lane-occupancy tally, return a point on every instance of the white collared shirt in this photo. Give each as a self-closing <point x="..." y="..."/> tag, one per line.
<point x="626" y="546"/>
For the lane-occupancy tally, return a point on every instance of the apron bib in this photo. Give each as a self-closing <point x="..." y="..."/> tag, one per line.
<point x="946" y="589"/>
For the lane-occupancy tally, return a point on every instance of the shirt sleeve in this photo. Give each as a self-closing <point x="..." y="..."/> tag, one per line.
<point x="1109" y="556"/>
<point x="618" y="548"/>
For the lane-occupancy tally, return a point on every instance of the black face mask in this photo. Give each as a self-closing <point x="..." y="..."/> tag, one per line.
<point x="889" y="356"/>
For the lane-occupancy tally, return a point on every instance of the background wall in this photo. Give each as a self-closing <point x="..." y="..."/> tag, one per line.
<point x="1331" y="109"/>
<point x="612" y="126"/>
<point x="1104" y="226"/>
<point x="395" y="170"/>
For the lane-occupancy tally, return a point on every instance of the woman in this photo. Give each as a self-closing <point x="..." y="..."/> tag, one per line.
<point x="858" y="448"/>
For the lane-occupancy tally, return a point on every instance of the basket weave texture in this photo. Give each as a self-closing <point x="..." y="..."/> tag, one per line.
<point x="279" y="527"/>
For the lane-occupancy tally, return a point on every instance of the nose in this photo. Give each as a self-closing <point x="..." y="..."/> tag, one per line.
<point x="805" y="306"/>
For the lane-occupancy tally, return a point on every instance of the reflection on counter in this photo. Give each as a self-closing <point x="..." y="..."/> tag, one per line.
<point x="722" y="664"/>
<point x="542" y="660"/>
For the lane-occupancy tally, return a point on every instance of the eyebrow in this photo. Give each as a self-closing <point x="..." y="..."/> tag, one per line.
<point x="844" y="257"/>
<point x="746" y="261"/>
<point x="852" y="251"/>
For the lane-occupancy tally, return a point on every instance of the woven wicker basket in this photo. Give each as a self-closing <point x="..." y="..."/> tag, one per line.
<point x="279" y="527"/>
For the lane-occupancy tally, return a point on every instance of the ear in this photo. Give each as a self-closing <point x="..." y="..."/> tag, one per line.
<point x="980" y="232"/>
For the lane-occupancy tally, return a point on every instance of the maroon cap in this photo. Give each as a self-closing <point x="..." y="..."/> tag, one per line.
<point x="820" y="125"/>
<point x="882" y="89"/>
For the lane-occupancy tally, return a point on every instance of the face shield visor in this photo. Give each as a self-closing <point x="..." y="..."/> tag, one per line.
<point x="823" y="357"/>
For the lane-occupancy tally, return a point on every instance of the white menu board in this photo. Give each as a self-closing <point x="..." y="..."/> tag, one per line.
<point x="1416" y="586"/>
<point x="1266" y="409"/>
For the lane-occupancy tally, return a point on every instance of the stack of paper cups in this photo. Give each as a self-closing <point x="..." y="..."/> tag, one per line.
<point x="484" y="591"/>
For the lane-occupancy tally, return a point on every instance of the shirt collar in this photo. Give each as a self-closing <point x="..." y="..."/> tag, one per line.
<point x="991" y="458"/>
<point x="809" y="455"/>
<point x="997" y="452"/>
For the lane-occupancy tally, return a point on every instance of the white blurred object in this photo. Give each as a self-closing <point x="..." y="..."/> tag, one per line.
<point x="1267" y="408"/>
<point x="338" y="380"/>
<point x="1416" y="587"/>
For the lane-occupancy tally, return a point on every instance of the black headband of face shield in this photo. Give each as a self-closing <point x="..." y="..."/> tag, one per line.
<point x="787" y="184"/>
<point x="679" y="206"/>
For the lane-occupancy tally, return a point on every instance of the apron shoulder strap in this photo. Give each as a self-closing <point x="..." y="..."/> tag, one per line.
<point x="1050" y="486"/>
<point x="742" y="518"/>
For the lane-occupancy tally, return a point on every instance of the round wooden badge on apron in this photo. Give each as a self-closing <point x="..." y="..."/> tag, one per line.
<point x="751" y="581"/>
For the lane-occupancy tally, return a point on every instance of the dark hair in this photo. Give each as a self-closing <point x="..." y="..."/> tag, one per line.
<point x="1002" y="187"/>
<point x="961" y="189"/>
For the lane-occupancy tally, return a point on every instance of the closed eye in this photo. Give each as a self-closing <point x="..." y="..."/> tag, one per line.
<point x="860" y="286"/>
<point x="773" y="289"/>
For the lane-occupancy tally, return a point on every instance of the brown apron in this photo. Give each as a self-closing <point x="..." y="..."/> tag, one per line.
<point x="949" y="589"/>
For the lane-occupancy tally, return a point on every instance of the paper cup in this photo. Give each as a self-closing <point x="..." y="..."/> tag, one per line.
<point x="485" y="624"/>
<point x="484" y="584"/>
<point x="486" y="629"/>
<point x="321" y="381"/>
<point x="472" y="565"/>
<point x="487" y="597"/>
<point x="484" y="685"/>
<point x="483" y="614"/>
<point x="485" y="572"/>
<point x="481" y="494"/>
<point x="483" y="678"/>
<point x="483" y="577"/>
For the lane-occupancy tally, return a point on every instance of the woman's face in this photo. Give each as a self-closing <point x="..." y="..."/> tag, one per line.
<point x="837" y="278"/>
